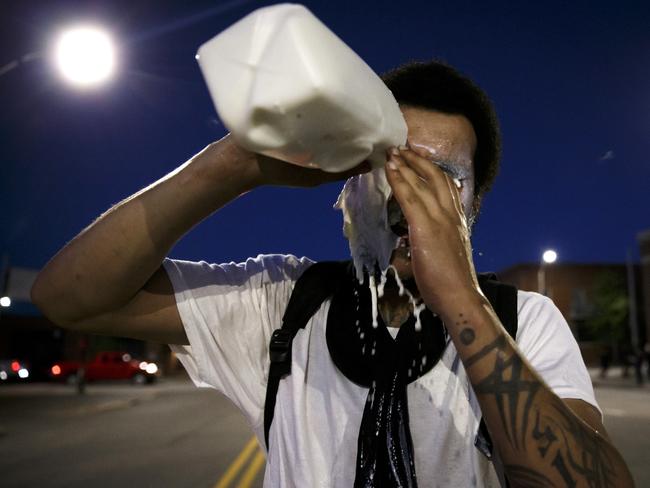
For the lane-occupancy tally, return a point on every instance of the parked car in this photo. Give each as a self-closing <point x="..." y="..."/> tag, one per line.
<point x="13" y="370"/>
<point x="111" y="365"/>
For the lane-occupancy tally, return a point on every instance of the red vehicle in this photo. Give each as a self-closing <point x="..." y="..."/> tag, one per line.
<point x="107" y="366"/>
<point x="13" y="370"/>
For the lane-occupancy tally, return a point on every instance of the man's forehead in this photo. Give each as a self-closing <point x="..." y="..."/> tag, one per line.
<point x="442" y="138"/>
<point x="456" y="163"/>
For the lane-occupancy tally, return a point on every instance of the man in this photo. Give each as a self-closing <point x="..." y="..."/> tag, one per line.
<point x="534" y="394"/>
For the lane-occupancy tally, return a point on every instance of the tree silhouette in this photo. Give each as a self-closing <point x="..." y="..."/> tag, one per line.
<point x="608" y="322"/>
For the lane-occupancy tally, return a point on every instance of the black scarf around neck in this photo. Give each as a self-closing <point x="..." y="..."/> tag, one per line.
<point x="370" y="357"/>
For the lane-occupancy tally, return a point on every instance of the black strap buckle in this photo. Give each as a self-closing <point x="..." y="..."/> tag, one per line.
<point x="280" y="347"/>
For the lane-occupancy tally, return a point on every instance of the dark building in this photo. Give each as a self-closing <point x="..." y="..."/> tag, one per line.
<point x="27" y="336"/>
<point x="573" y="288"/>
<point x="39" y="342"/>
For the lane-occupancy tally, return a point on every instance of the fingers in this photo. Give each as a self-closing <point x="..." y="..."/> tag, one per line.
<point x="408" y="199"/>
<point x="420" y="185"/>
<point x="419" y="181"/>
<point x="437" y="180"/>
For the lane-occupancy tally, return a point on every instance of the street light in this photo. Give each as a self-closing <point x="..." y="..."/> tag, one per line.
<point x="548" y="257"/>
<point x="85" y="55"/>
<point x="5" y="302"/>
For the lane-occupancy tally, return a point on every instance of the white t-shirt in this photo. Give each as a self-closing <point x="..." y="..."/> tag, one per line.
<point x="229" y="312"/>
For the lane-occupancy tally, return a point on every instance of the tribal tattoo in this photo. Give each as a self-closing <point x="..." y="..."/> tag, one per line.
<point x="508" y="385"/>
<point x="592" y="460"/>
<point x="523" y="476"/>
<point x="568" y="447"/>
<point x="544" y="438"/>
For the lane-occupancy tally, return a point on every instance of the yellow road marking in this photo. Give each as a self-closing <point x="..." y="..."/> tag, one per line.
<point x="249" y="475"/>
<point x="237" y="464"/>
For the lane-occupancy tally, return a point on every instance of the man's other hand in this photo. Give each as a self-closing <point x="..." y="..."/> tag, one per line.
<point x="280" y="173"/>
<point x="438" y="233"/>
<point x="274" y="172"/>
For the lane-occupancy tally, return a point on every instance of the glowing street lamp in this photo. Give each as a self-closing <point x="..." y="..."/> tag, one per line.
<point x="548" y="257"/>
<point x="5" y="302"/>
<point x="85" y="55"/>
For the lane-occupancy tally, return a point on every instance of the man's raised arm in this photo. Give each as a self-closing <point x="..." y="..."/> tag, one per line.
<point x="109" y="279"/>
<point x="541" y="439"/>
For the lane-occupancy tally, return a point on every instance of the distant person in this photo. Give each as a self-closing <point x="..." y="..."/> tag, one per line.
<point x="639" y="359"/>
<point x="605" y="359"/>
<point x="404" y="408"/>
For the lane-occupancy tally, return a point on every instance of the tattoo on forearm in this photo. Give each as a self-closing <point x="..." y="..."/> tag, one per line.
<point x="593" y="462"/>
<point x="523" y="476"/>
<point x="467" y="336"/>
<point x="568" y="447"/>
<point x="545" y="438"/>
<point x="508" y="386"/>
<point x="558" y="463"/>
<point x="496" y="345"/>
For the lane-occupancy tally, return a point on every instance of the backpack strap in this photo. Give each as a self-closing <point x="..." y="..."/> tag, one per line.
<point x="503" y="298"/>
<point x="318" y="283"/>
<point x="314" y="286"/>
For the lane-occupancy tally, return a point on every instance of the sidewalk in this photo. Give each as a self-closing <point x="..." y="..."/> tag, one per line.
<point x="615" y="379"/>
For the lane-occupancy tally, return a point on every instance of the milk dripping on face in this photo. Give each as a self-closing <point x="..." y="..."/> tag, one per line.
<point x="377" y="291"/>
<point x="363" y="202"/>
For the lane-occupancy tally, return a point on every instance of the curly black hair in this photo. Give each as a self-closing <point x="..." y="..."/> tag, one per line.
<point x="434" y="85"/>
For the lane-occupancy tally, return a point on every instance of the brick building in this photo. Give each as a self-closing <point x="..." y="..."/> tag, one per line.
<point x="571" y="287"/>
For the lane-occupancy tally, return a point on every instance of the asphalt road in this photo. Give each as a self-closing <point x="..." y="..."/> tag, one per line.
<point x="166" y="435"/>
<point x="174" y="435"/>
<point x="627" y="420"/>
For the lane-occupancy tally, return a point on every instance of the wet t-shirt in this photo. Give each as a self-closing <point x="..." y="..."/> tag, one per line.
<point x="229" y="312"/>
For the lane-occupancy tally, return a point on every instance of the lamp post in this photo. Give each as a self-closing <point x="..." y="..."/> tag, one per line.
<point x="85" y="55"/>
<point x="548" y="257"/>
<point x="5" y="300"/>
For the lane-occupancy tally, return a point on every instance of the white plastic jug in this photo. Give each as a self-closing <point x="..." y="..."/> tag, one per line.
<point x="287" y="87"/>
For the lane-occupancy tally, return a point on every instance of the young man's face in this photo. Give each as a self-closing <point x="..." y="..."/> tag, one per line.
<point x="450" y="142"/>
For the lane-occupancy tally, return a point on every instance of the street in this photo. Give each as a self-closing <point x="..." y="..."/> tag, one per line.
<point x="627" y="420"/>
<point x="174" y="435"/>
<point x="167" y="434"/>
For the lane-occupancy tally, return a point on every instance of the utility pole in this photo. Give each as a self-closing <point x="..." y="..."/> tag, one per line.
<point x="631" y="292"/>
<point x="4" y="277"/>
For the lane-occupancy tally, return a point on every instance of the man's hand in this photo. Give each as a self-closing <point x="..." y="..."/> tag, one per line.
<point x="264" y="170"/>
<point x="280" y="173"/>
<point x="438" y="233"/>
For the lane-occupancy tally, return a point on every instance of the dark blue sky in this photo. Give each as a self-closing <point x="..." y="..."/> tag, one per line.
<point x="570" y="80"/>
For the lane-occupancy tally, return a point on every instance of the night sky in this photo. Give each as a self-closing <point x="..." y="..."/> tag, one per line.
<point x="570" y="81"/>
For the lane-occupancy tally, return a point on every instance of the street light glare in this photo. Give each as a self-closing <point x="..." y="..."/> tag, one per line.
<point x="85" y="55"/>
<point x="549" y="256"/>
<point x="5" y="302"/>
